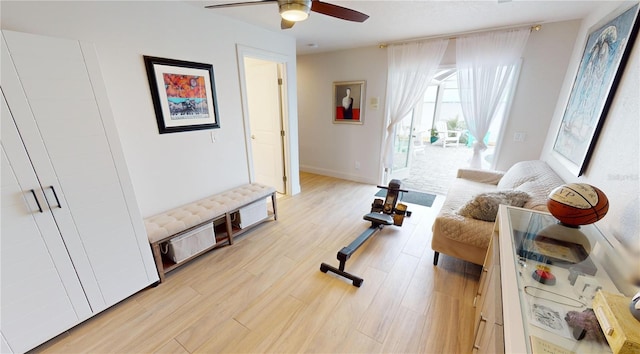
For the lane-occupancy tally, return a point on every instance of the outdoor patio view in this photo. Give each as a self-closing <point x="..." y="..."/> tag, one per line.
<point x="432" y="143"/>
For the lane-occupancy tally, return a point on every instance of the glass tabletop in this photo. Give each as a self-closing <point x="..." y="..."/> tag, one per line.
<point x="559" y="269"/>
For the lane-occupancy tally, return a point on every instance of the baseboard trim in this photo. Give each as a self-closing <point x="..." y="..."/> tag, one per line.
<point x="337" y="174"/>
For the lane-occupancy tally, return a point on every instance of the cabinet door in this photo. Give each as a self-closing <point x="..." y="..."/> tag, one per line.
<point x="485" y="281"/>
<point x="64" y="132"/>
<point x="488" y="320"/>
<point x="41" y="294"/>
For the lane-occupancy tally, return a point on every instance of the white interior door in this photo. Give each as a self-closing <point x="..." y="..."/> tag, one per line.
<point x="41" y="294"/>
<point x="264" y="100"/>
<point x="63" y="130"/>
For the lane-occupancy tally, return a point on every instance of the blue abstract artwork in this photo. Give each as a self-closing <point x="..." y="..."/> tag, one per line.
<point x="600" y="68"/>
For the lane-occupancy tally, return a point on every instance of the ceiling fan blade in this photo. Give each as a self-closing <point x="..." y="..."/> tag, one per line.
<point x="284" y="24"/>
<point x="236" y="4"/>
<point x="338" y="11"/>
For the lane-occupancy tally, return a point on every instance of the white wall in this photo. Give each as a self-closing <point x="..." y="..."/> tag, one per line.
<point x="614" y="163"/>
<point x="332" y="149"/>
<point x="170" y="169"/>
<point x="545" y="61"/>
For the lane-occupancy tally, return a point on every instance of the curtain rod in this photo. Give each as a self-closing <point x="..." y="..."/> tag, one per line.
<point x="532" y="28"/>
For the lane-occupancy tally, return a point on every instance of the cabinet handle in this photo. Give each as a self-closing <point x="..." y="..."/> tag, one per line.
<point x="479" y="334"/>
<point x="37" y="202"/>
<point x="55" y="195"/>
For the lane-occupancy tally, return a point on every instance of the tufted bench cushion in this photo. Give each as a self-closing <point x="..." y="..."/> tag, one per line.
<point x="179" y="219"/>
<point x="175" y="222"/>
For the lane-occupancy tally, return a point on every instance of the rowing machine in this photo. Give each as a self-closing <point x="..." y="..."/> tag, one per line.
<point x="382" y="214"/>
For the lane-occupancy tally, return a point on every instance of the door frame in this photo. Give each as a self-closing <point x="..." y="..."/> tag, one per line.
<point x="404" y="172"/>
<point x="283" y="62"/>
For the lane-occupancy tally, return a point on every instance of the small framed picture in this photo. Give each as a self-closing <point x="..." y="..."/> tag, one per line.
<point x="348" y="102"/>
<point x="183" y="93"/>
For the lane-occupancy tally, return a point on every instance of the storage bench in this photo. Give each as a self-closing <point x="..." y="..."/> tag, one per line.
<point x="223" y="211"/>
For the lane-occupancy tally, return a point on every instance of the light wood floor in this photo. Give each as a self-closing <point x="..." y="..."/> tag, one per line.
<point x="266" y="292"/>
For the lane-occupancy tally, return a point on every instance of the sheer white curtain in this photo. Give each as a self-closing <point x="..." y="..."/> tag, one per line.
<point x="411" y="68"/>
<point x="485" y="62"/>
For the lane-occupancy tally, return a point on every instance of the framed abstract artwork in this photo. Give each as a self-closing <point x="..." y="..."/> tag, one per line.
<point x="183" y="94"/>
<point x="348" y="102"/>
<point x="606" y="51"/>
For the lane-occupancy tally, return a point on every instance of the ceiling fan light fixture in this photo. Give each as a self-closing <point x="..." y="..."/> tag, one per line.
<point x="294" y="12"/>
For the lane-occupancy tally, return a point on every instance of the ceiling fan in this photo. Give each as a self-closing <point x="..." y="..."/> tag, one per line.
<point x="293" y="11"/>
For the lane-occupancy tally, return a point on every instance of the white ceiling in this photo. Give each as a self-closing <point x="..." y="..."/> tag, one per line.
<point x="397" y="20"/>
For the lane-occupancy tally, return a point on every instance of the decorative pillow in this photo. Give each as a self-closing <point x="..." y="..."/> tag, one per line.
<point x="538" y="195"/>
<point x="524" y="171"/>
<point x="485" y="206"/>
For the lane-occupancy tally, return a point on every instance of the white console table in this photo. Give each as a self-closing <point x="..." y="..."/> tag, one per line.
<point x="516" y="313"/>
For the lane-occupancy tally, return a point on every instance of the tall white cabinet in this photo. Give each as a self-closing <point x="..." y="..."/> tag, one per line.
<point x="73" y="242"/>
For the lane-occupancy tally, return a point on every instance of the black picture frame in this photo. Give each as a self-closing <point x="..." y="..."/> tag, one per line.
<point x="607" y="49"/>
<point x="183" y="94"/>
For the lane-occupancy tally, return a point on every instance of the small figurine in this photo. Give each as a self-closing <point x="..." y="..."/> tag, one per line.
<point x="585" y="325"/>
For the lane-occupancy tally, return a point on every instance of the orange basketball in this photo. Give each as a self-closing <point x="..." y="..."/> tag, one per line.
<point x="577" y="204"/>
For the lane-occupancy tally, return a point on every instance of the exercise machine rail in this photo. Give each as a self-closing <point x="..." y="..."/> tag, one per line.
<point x="382" y="214"/>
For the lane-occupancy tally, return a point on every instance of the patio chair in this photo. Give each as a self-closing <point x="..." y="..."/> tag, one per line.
<point x="448" y="137"/>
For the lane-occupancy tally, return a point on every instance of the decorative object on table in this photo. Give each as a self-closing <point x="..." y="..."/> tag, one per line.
<point x="606" y="52"/>
<point x="543" y="275"/>
<point x="348" y="102"/>
<point x="586" y="287"/>
<point x="576" y="204"/>
<point x="558" y="245"/>
<point x="550" y="317"/>
<point x="552" y="296"/>
<point x="585" y="325"/>
<point x="539" y="345"/>
<point x="573" y="275"/>
<point x="620" y="328"/>
<point x="183" y="94"/>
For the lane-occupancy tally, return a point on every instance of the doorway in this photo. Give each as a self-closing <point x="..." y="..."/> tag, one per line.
<point x="424" y="160"/>
<point x="263" y="85"/>
<point x="404" y="140"/>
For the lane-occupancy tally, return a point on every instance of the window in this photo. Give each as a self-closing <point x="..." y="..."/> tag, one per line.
<point x="442" y="103"/>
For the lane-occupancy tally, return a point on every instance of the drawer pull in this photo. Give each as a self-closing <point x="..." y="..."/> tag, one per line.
<point x="37" y="202"/>
<point x="55" y="195"/>
<point x="479" y="332"/>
